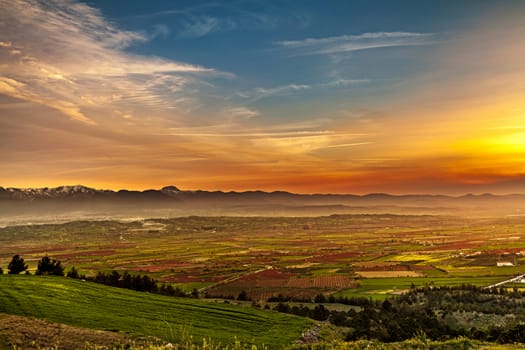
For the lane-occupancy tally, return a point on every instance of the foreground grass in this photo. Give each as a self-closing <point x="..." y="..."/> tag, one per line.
<point x="412" y="344"/>
<point x="94" y="306"/>
<point x="23" y="333"/>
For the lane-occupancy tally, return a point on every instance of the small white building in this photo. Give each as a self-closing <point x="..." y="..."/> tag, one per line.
<point x="504" y="263"/>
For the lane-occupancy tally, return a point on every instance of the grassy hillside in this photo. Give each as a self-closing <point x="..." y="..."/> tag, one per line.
<point x="90" y="305"/>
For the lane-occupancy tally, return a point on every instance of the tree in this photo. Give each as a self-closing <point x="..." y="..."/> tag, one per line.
<point x="73" y="273"/>
<point x="243" y="296"/>
<point x="320" y="298"/>
<point x="320" y="313"/>
<point x="1" y="271"/>
<point x="46" y="266"/>
<point x="17" y="265"/>
<point x="114" y="278"/>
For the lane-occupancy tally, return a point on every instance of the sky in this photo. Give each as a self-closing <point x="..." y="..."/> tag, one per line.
<point x="332" y="96"/>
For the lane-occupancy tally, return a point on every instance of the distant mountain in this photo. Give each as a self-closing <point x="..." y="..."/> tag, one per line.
<point x="61" y="192"/>
<point x="172" y="192"/>
<point x="40" y="204"/>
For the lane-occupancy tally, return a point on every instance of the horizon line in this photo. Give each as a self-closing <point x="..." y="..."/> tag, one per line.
<point x="145" y="189"/>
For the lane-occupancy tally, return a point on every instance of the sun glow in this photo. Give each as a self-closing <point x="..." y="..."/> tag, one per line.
<point x="513" y="143"/>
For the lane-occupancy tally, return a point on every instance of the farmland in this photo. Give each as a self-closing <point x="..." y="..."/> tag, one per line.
<point x="364" y="255"/>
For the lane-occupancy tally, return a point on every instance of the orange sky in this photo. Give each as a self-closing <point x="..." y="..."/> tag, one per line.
<point x="455" y="125"/>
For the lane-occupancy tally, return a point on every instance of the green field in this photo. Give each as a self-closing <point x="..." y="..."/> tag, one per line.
<point x="90" y="305"/>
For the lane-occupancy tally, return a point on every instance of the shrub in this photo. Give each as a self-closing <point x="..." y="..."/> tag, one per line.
<point x="73" y="273"/>
<point x="46" y="266"/>
<point x="17" y="265"/>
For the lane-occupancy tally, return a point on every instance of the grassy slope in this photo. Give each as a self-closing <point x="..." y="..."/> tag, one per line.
<point x="90" y="305"/>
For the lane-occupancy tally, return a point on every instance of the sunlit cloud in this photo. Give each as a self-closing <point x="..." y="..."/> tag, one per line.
<point x="241" y="113"/>
<point x="348" y="144"/>
<point x="68" y="57"/>
<point x="250" y="134"/>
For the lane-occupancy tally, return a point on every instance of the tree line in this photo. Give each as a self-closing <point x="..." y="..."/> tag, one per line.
<point x="46" y="266"/>
<point x="141" y="283"/>
<point x="436" y="312"/>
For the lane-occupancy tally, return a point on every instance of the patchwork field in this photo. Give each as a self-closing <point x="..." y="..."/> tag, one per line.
<point x="366" y="255"/>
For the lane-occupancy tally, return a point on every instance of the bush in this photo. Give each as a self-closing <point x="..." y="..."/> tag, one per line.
<point x="46" y="266"/>
<point x="17" y="265"/>
<point x="73" y="273"/>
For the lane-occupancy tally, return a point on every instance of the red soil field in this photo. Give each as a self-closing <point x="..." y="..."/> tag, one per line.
<point x="336" y="257"/>
<point x="330" y="282"/>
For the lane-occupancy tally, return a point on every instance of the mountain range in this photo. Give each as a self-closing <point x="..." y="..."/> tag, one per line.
<point x="40" y="204"/>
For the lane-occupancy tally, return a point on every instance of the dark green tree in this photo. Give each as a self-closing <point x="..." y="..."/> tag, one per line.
<point x="320" y="313"/>
<point x="114" y="278"/>
<point x="320" y="298"/>
<point x="73" y="273"/>
<point x="48" y="266"/>
<point x="243" y="296"/>
<point x="1" y="271"/>
<point x="17" y="265"/>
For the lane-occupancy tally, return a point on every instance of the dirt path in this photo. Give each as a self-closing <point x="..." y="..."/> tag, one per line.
<point x="234" y="278"/>
<point x="513" y="279"/>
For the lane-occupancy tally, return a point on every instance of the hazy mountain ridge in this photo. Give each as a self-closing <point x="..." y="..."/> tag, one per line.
<point x="65" y="203"/>
<point x="81" y="192"/>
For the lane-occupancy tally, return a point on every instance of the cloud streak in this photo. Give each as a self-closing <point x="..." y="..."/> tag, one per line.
<point x="214" y="17"/>
<point x="349" y="43"/>
<point x="260" y="93"/>
<point x="198" y="26"/>
<point x="66" y="56"/>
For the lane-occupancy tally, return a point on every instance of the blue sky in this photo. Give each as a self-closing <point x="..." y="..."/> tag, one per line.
<point x="305" y="96"/>
<point x="247" y="40"/>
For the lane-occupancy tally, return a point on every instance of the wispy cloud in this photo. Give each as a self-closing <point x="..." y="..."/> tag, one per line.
<point x="69" y="58"/>
<point x="344" y="82"/>
<point x="198" y="26"/>
<point x="261" y="92"/>
<point x="241" y="113"/>
<point x="348" y="144"/>
<point x="214" y="17"/>
<point x="220" y="132"/>
<point x="294" y="89"/>
<point x="349" y="43"/>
